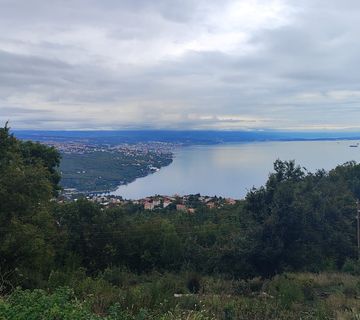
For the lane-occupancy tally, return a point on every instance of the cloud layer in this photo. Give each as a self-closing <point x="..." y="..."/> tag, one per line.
<point x="180" y="64"/>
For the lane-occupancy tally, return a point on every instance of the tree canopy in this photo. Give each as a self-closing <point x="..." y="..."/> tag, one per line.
<point x="28" y="180"/>
<point x="298" y="221"/>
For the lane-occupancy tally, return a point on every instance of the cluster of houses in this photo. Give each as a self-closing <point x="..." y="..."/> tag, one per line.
<point x="81" y="147"/>
<point x="144" y="148"/>
<point x="73" y="147"/>
<point x="187" y="203"/>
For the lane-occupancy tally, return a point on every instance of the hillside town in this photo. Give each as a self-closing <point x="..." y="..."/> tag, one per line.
<point x="186" y="203"/>
<point x="81" y="147"/>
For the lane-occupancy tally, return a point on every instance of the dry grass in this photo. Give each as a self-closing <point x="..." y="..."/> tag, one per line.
<point x="327" y="279"/>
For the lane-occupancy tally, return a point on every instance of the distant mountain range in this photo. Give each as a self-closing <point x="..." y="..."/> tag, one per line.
<point x="183" y="137"/>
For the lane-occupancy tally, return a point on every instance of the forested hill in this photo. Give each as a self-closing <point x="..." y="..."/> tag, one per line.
<point x="83" y="257"/>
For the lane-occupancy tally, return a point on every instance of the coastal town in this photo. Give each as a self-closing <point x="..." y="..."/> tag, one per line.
<point x="81" y="147"/>
<point x="88" y="166"/>
<point x="185" y="203"/>
<point x="147" y="157"/>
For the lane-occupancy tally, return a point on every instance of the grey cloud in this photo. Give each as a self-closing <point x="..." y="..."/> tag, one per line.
<point x="12" y="111"/>
<point x="78" y="80"/>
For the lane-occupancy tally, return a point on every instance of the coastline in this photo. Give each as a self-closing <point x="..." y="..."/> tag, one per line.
<point x="127" y="182"/>
<point x="232" y="169"/>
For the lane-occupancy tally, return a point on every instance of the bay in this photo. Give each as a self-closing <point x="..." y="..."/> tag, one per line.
<point x="230" y="170"/>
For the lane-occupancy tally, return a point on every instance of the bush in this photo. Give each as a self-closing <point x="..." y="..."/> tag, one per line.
<point x="230" y="311"/>
<point x="286" y="290"/>
<point x="352" y="267"/>
<point x="255" y="284"/>
<point x="66" y="278"/>
<point x="189" y="302"/>
<point x="37" y="304"/>
<point x="249" y="287"/>
<point x="99" y="294"/>
<point x="119" y="276"/>
<point x="193" y="283"/>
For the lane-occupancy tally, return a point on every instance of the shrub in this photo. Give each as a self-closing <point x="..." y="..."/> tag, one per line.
<point x="351" y="266"/>
<point x="255" y="284"/>
<point x="193" y="283"/>
<point x="37" y="304"/>
<point x="189" y="302"/>
<point x="286" y="290"/>
<point x="99" y="293"/>
<point x="230" y="311"/>
<point x="119" y="276"/>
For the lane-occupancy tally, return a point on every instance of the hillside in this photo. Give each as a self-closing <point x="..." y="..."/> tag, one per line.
<point x="287" y="251"/>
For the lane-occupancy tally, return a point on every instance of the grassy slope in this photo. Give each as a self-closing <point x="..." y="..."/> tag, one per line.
<point x="120" y="295"/>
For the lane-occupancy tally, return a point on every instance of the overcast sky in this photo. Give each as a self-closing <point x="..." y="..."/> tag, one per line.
<point x="180" y="64"/>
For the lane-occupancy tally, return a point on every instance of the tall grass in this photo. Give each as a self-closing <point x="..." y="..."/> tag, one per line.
<point x="127" y="296"/>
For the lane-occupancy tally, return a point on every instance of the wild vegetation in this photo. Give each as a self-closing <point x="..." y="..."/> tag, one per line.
<point x="287" y="251"/>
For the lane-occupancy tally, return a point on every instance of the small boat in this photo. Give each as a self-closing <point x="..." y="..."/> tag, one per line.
<point x="354" y="145"/>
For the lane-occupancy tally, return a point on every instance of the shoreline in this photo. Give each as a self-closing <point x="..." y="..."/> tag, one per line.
<point x="112" y="189"/>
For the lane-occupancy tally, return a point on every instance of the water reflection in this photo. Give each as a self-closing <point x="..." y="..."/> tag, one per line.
<point x="230" y="170"/>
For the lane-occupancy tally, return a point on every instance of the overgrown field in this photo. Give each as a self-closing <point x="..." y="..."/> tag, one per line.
<point x="119" y="294"/>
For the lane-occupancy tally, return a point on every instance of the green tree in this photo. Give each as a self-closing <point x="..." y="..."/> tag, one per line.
<point x="27" y="226"/>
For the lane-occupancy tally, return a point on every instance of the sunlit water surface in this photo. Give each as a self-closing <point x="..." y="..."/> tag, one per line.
<point x="230" y="170"/>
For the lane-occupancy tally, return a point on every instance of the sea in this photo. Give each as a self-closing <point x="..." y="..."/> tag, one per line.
<point x="231" y="170"/>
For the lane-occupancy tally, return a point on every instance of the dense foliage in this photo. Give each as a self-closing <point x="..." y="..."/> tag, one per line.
<point x="28" y="180"/>
<point x="298" y="222"/>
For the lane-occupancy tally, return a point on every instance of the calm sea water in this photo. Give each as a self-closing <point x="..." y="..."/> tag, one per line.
<point x="230" y="170"/>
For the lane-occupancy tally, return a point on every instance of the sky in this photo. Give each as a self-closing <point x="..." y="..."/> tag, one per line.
<point x="180" y="64"/>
